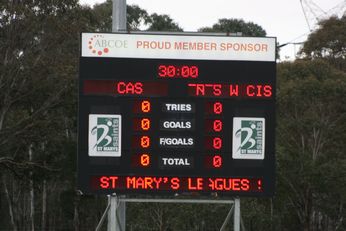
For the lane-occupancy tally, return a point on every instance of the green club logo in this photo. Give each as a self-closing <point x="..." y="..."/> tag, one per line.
<point x="104" y="135"/>
<point x="248" y="138"/>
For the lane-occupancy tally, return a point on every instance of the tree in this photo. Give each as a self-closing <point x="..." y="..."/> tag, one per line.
<point x="162" y="23"/>
<point x="328" y="42"/>
<point x="163" y="216"/>
<point x="310" y="146"/>
<point x="136" y="17"/>
<point x="235" y="26"/>
<point x="39" y="47"/>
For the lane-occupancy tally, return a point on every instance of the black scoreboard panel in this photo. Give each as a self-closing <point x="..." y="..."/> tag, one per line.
<point x="175" y="119"/>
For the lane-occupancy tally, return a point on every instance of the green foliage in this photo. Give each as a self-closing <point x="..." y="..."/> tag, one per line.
<point x="103" y="16"/>
<point x="102" y="13"/>
<point x="39" y="59"/>
<point x="328" y="42"/>
<point x="162" y="23"/>
<point x="235" y="26"/>
<point x="137" y="19"/>
<point x="310" y="141"/>
<point x="162" y="216"/>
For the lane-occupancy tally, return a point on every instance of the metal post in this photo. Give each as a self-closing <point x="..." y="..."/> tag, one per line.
<point x="121" y="214"/>
<point x="236" y="214"/>
<point x="228" y="218"/>
<point x="116" y="213"/>
<point x="112" y="213"/>
<point x="117" y="210"/>
<point x="99" y="225"/>
<point x="119" y="16"/>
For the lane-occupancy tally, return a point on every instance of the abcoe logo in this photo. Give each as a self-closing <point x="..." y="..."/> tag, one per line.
<point x="99" y="45"/>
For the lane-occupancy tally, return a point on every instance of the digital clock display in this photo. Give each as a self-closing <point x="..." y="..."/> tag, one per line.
<point x="157" y="124"/>
<point x="177" y="71"/>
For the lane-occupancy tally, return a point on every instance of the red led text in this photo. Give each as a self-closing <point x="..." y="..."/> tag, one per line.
<point x="222" y="184"/>
<point x="129" y="88"/>
<point x="150" y="183"/>
<point x="230" y="90"/>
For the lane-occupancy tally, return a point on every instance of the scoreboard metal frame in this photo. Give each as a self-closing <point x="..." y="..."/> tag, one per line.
<point x="166" y="114"/>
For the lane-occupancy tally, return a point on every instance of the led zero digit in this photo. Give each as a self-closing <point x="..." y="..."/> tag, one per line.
<point x="185" y="71"/>
<point x="217" y="161"/>
<point x="145" y="160"/>
<point x="145" y="106"/>
<point x="145" y="124"/>
<point x="217" y="143"/>
<point x="194" y="71"/>
<point x="217" y="125"/>
<point x="145" y="141"/>
<point x="171" y="71"/>
<point x="217" y="108"/>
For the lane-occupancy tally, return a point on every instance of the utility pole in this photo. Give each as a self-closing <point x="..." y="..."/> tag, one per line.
<point x="119" y="16"/>
<point x="117" y="210"/>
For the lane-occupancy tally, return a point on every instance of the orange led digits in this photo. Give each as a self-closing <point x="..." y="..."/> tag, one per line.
<point x="145" y="160"/>
<point x="145" y="141"/>
<point x="145" y="124"/>
<point x="145" y="106"/>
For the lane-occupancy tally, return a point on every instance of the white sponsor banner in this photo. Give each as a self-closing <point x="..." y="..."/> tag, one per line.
<point x="178" y="47"/>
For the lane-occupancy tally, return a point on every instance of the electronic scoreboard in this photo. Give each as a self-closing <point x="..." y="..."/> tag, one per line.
<point x="176" y="113"/>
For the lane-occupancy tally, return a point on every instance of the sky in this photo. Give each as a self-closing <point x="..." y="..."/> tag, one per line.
<point x="283" y="19"/>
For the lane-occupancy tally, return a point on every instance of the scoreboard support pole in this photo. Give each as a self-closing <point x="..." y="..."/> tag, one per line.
<point x="117" y="211"/>
<point x="112" y="213"/>
<point x="236" y="214"/>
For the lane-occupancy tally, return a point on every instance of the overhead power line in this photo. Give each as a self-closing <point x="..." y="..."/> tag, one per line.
<point x="313" y="13"/>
